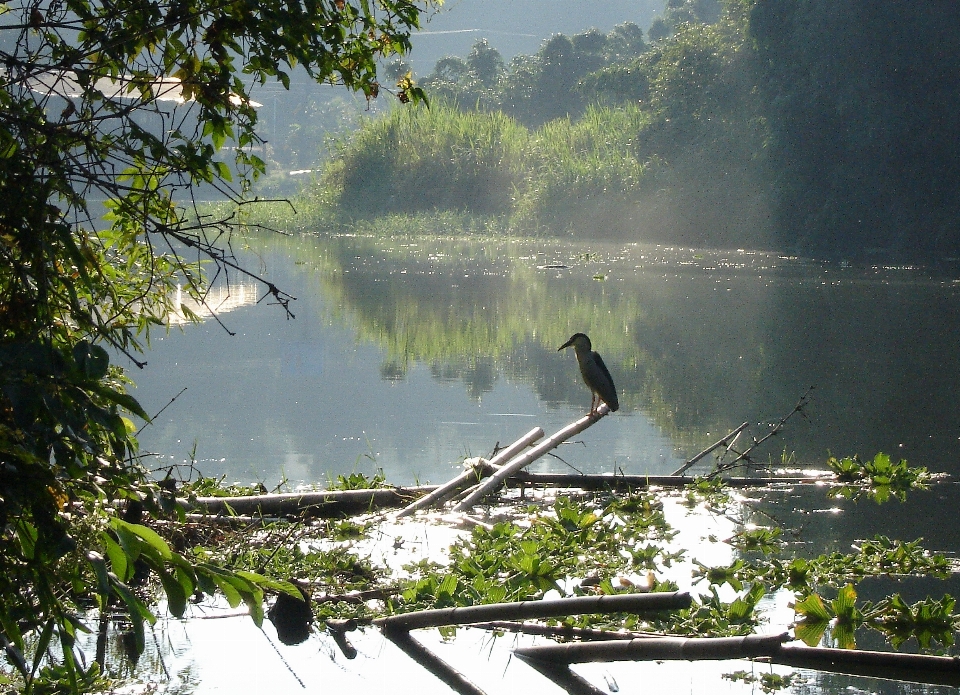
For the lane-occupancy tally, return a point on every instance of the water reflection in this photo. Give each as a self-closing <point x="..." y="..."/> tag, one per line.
<point x="409" y="354"/>
<point x="220" y="299"/>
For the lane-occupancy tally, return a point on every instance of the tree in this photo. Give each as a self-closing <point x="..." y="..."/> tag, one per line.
<point x="123" y="107"/>
<point x="485" y="63"/>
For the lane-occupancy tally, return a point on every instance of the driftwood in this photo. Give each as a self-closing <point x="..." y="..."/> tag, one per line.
<point x="471" y="475"/>
<point x="524" y="610"/>
<point x="564" y="632"/>
<point x="259" y="509"/>
<point x="324" y="503"/>
<point x="553" y="441"/>
<point x="916" y="668"/>
<point x="656" y="649"/>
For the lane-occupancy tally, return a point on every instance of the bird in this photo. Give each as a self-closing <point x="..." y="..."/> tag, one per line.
<point x="594" y="373"/>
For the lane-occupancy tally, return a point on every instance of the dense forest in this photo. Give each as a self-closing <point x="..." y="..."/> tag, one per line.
<point x="813" y="127"/>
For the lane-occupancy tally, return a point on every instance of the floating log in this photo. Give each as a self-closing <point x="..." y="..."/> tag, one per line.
<point x="914" y="668"/>
<point x="324" y="503"/>
<point x="656" y="649"/>
<point x="525" y="459"/>
<point x="472" y="474"/>
<point x="524" y="610"/>
<point x="258" y="509"/>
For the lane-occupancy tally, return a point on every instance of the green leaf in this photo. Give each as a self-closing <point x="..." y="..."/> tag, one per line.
<point x="448" y="586"/>
<point x="176" y="596"/>
<point x="267" y="583"/>
<point x="148" y="535"/>
<point x="813" y="608"/>
<point x="811" y="631"/>
<point x="27" y="535"/>
<point x="92" y="360"/>
<point x="118" y="558"/>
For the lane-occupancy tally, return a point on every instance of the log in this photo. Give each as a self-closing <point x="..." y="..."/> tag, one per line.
<point x="656" y="649"/>
<point x="914" y="668"/>
<point x="497" y="479"/>
<point x="324" y="503"/>
<point x="563" y="632"/>
<point x="470" y="475"/>
<point x="524" y="610"/>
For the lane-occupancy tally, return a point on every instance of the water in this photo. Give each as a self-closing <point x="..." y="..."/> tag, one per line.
<point x="407" y="355"/>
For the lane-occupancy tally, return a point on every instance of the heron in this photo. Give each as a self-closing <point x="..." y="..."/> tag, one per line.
<point x="594" y="373"/>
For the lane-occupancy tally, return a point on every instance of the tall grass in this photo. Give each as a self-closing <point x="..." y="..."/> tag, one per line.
<point x="585" y="174"/>
<point x="419" y="159"/>
<point x="418" y="167"/>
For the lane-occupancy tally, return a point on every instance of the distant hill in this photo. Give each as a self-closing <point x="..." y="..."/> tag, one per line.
<point x="518" y="26"/>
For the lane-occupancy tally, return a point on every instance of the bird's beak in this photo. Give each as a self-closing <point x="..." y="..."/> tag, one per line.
<point x="565" y="345"/>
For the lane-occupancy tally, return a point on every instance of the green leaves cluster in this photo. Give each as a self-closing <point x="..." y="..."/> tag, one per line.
<point x="927" y="620"/>
<point x="878" y="478"/>
<point x="515" y="561"/>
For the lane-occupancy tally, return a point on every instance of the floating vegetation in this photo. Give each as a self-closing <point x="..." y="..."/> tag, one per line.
<point x="546" y="546"/>
<point x="878" y="478"/>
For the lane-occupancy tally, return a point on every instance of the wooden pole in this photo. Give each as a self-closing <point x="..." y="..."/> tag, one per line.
<point x="450" y="488"/>
<point x="553" y="441"/>
<point x="523" y="610"/>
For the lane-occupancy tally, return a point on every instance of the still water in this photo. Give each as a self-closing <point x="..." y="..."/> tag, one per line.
<point x="408" y="354"/>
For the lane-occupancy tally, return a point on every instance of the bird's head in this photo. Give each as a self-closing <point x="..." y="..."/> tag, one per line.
<point x="580" y="341"/>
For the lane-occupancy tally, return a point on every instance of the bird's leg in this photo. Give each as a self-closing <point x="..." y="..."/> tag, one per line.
<point x="594" y="403"/>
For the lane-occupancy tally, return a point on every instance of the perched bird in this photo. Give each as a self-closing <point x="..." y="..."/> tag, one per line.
<point x="594" y="373"/>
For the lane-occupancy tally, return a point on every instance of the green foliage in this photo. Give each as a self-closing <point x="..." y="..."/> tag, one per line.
<point x="878" y="478"/>
<point x="358" y="481"/>
<point x="679" y="139"/>
<point x="926" y="620"/>
<point x="860" y="107"/>
<point x="421" y="159"/>
<point x="513" y="562"/>
<point x="112" y="114"/>
<point x="442" y="160"/>
<point x="539" y="88"/>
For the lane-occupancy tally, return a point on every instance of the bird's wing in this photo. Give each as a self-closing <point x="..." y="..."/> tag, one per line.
<point x="603" y="368"/>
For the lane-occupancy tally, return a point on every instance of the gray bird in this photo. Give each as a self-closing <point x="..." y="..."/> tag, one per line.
<point x="594" y="373"/>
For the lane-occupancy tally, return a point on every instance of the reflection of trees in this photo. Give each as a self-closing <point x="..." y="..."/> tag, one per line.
<point x="473" y="309"/>
<point x="699" y="341"/>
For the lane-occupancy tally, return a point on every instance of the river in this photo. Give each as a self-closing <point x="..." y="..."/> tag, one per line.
<point x="409" y="354"/>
